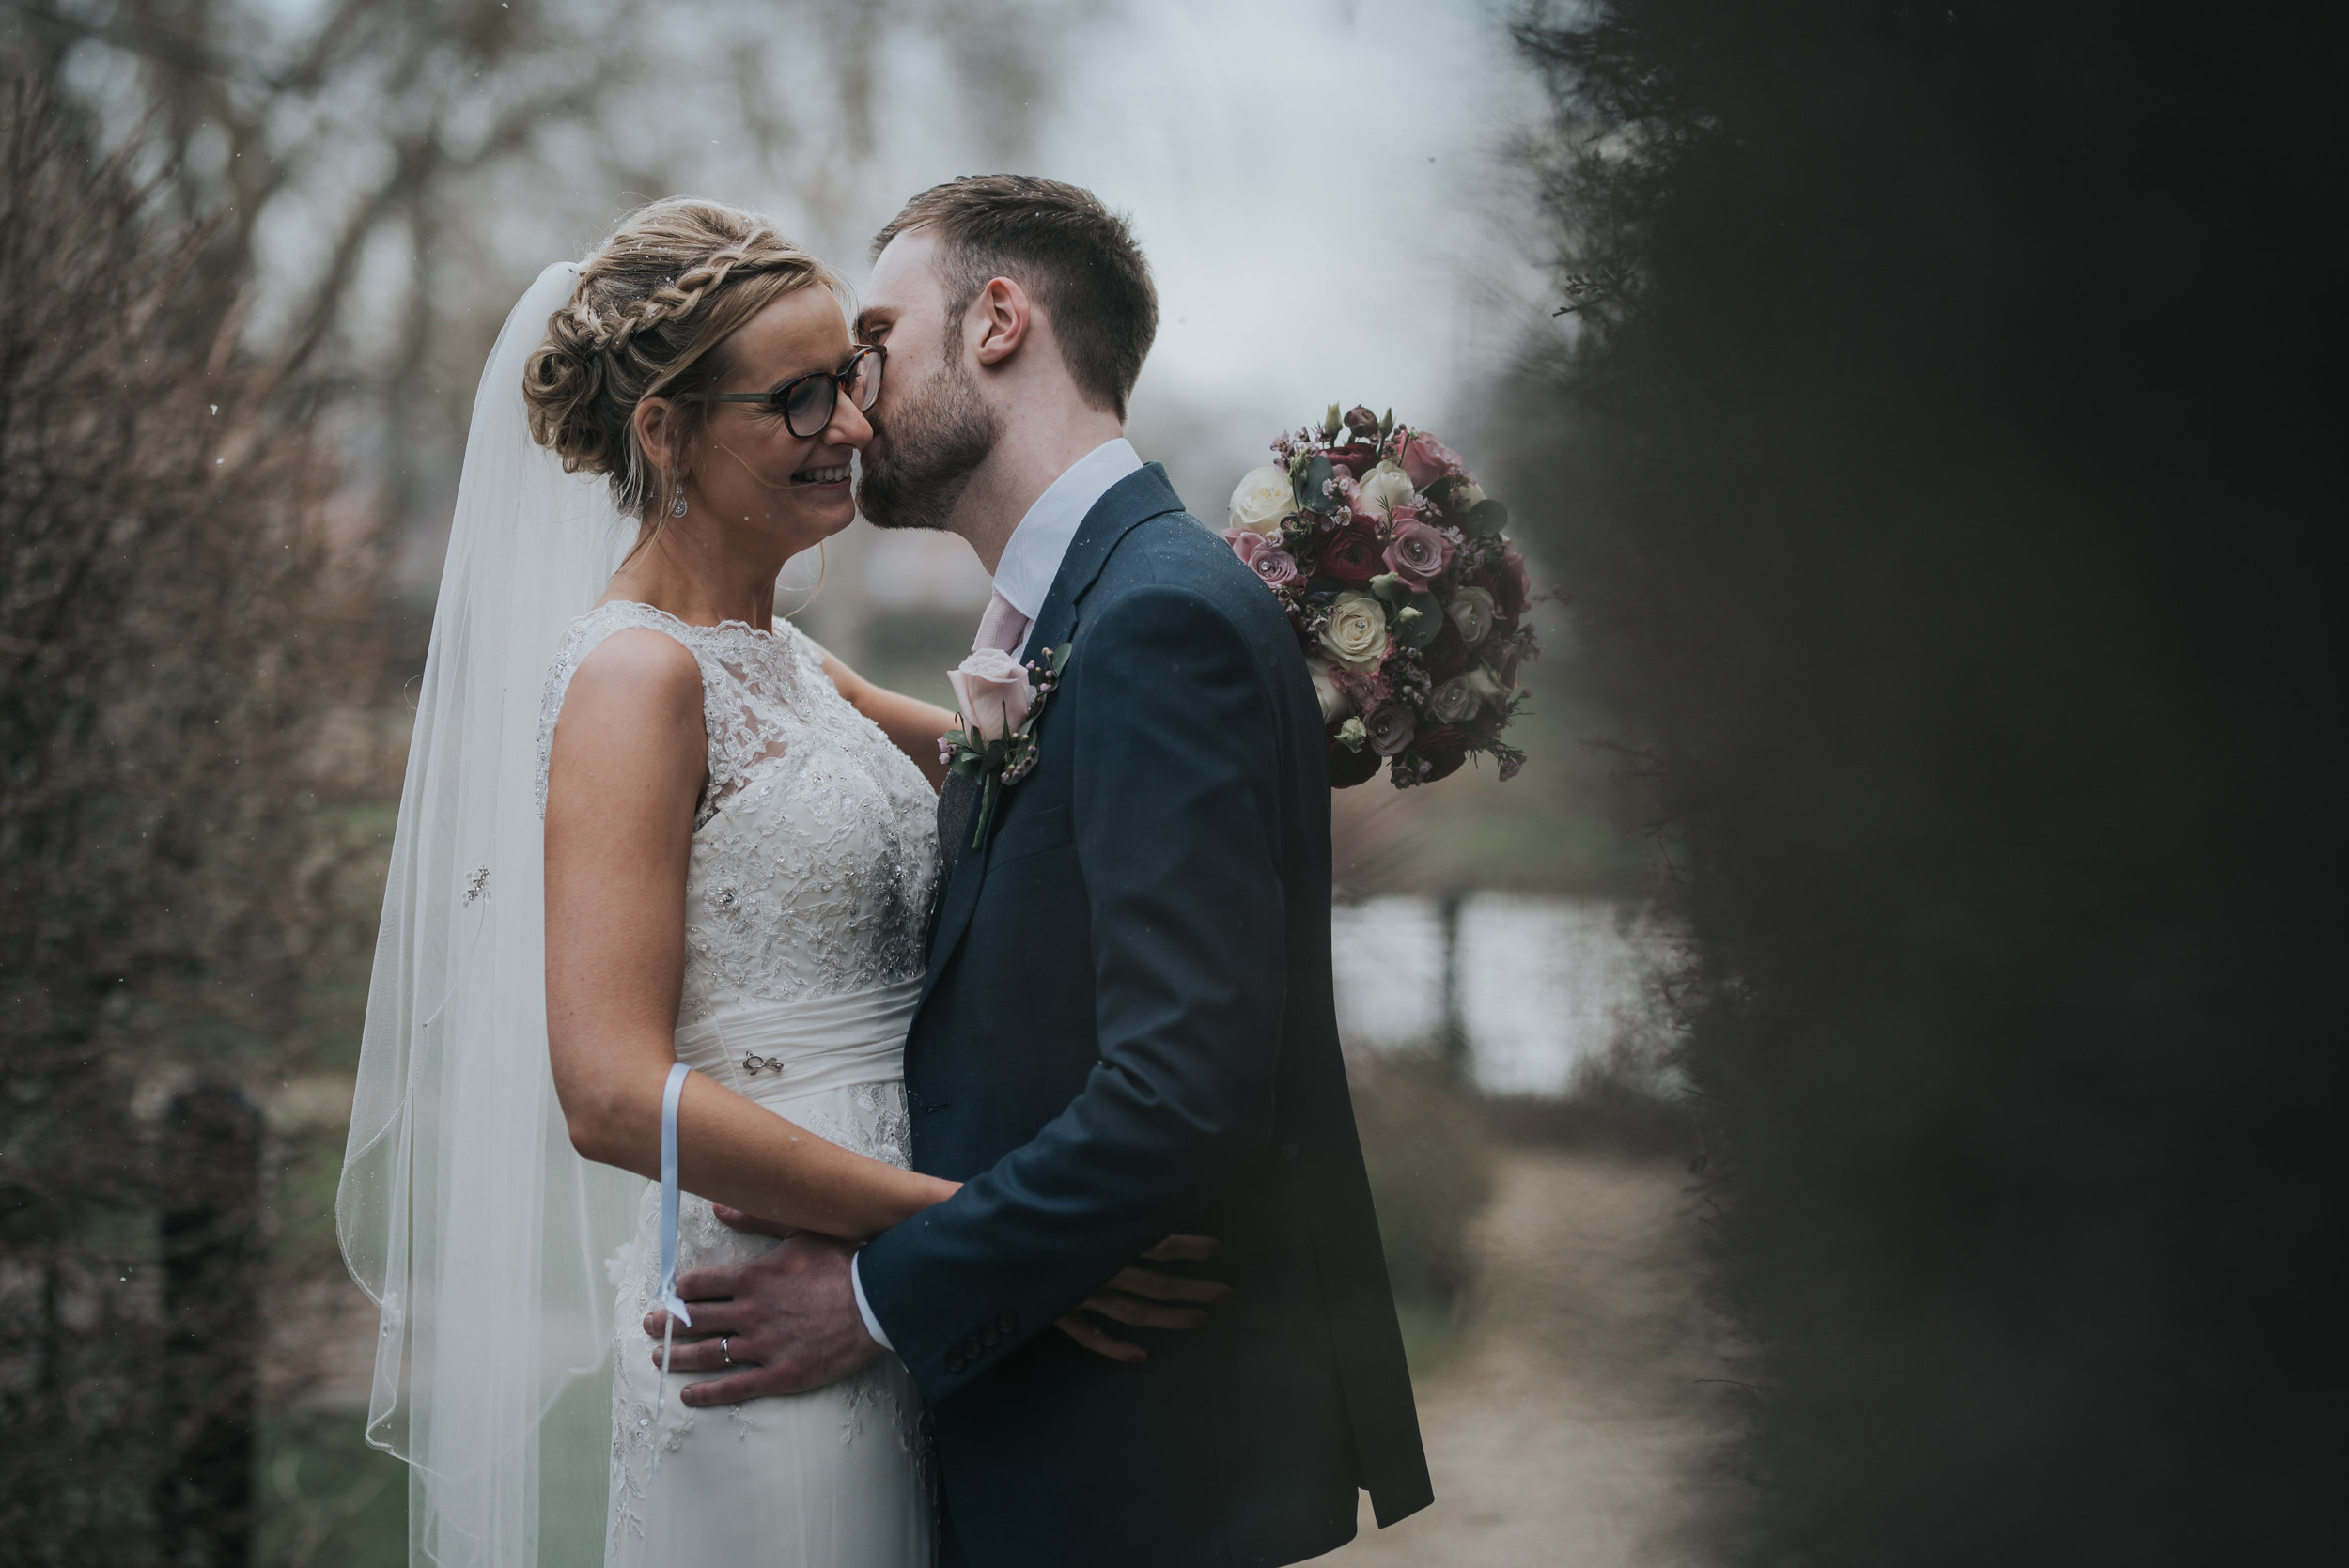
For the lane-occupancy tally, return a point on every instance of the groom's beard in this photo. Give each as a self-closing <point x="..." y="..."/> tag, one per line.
<point x="916" y="469"/>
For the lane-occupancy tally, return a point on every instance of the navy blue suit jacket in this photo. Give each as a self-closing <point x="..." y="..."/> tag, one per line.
<point x="1126" y="1031"/>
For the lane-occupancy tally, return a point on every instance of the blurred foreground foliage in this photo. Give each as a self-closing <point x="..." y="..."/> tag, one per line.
<point x="187" y="679"/>
<point x="1945" y="454"/>
<point x="1431" y="1170"/>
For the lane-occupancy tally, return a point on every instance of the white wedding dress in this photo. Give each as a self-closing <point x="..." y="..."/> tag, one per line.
<point x="814" y="857"/>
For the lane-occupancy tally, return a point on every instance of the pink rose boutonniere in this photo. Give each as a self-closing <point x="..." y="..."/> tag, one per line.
<point x="992" y="689"/>
<point x="1002" y="702"/>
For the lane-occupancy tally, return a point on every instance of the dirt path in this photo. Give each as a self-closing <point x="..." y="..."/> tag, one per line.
<point x="1571" y="1427"/>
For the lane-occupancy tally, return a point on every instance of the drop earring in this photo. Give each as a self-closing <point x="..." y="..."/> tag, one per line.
<point x="676" y="499"/>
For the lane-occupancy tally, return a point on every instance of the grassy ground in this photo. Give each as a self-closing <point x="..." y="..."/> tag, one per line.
<point x="327" y="1498"/>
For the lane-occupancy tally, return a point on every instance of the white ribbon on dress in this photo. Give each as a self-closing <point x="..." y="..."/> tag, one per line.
<point x="670" y="1302"/>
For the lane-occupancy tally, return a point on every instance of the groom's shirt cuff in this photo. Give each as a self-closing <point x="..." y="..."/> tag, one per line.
<point x="865" y="1308"/>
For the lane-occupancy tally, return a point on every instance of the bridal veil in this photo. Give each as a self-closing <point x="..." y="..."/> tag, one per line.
<point x="463" y="1211"/>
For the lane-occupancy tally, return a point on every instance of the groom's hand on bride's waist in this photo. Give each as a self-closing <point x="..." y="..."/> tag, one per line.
<point x="781" y="1324"/>
<point x="787" y="1322"/>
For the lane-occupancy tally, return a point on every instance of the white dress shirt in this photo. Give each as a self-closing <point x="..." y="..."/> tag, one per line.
<point x="1024" y="575"/>
<point x="1031" y="556"/>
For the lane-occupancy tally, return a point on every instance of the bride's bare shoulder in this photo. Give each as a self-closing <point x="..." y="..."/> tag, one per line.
<point x="635" y="690"/>
<point x="638" y="665"/>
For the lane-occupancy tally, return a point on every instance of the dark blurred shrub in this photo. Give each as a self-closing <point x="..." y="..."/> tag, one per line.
<point x="1430" y="1171"/>
<point x="1947" y="468"/>
<point x="183" y="669"/>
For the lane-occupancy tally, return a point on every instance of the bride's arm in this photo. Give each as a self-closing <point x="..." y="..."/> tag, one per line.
<point x="912" y="723"/>
<point x="627" y="764"/>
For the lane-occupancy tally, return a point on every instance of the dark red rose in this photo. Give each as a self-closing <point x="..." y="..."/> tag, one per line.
<point x="1349" y="767"/>
<point x="1511" y="591"/>
<point x="1352" y="555"/>
<point x="1356" y="460"/>
<point x="1443" y="748"/>
<point x="1447" y="655"/>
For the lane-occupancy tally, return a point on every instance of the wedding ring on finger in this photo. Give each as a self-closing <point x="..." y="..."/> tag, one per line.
<point x="724" y="1356"/>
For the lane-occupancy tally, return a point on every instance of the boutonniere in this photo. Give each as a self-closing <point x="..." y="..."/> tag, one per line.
<point x="1002" y="702"/>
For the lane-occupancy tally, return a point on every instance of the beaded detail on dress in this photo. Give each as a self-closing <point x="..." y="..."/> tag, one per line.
<point x="815" y="840"/>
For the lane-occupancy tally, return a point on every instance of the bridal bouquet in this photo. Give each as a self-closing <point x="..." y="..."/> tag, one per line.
<point x="1405" y="592"/>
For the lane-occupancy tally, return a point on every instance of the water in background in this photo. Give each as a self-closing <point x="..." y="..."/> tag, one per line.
<point x="1550" y="988"/>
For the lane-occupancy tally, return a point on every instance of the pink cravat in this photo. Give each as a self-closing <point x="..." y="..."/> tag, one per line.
<point x="1002" y="627"/>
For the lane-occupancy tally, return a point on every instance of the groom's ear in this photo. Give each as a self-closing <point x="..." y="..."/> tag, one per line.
<point x="999" y="321"/>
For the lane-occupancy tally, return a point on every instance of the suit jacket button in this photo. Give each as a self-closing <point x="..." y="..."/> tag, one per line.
<point x="989" y="1334"/>
<point x="972" y="1347"/>
<point x="955" y="1361"/>
<point x="1008" y="1323"/>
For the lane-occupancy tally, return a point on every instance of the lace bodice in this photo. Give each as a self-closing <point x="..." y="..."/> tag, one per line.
<point x="815" y="842"/>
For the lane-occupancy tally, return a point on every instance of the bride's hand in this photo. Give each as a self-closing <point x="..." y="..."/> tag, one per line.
<point x="1132" y="1296"/>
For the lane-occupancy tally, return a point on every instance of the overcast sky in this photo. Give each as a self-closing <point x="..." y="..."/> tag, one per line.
<point x="1319" y="186"/>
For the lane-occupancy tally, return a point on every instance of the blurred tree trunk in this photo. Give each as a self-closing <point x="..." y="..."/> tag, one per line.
<point x="183" y="662"/>
<point x="1946" y="457"/>
<point x="211" y="1257"/>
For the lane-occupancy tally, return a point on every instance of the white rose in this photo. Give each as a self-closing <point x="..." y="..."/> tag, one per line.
<point x="1262" y="499"/>
<point x="1481" y="681"/>
<point x="1472" y="613"/>
<point x="1455" y="701"/>
<point x="1383" y="489"/>
<point x="1356" y="633"/>
<point x="1352" y="733"/>
<point x="1335" y="705"/>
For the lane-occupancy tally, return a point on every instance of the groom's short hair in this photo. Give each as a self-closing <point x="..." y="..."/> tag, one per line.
<point x="1073" y="254"/>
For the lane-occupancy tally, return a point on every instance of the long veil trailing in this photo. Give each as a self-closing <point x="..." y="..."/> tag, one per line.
<point x="463" y="1211"/>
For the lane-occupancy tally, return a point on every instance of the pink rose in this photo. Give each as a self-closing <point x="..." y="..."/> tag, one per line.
<point x="1418" y="553"/>
<point x="991" y="689"/>
<point x="1276" y="567"/>
<point x="1426" y="458"/>
<point x="1391" y="729"/>
<point x="1246" y="544"/>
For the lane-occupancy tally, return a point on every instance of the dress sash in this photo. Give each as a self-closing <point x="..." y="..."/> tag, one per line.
<point x="776" y="1051"/>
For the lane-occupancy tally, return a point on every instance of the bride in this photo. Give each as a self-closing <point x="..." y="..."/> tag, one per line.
<point x="688" y="884"/>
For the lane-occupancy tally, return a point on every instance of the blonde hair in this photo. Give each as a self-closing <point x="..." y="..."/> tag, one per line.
<point x="653" y="305"/>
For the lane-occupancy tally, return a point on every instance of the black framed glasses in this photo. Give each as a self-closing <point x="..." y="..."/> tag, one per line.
<point x="807" y="402"/>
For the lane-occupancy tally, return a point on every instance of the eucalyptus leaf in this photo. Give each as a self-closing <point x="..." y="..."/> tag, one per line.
<point x="1487" y="519"/>
<point x="1310" y="483"/>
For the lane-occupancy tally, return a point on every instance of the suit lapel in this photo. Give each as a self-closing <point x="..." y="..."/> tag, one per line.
<point x="1132" y="501"/>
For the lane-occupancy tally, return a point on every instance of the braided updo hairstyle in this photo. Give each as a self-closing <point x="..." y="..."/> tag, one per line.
<point x="652" y="308"/>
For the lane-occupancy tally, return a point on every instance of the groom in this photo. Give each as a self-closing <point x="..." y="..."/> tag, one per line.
<point x="1127" y="1027"/>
